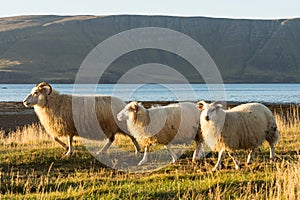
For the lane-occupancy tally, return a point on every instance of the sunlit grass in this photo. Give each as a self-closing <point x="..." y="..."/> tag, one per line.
<point x="32" y="134"/>
<point x="32" y="166"/>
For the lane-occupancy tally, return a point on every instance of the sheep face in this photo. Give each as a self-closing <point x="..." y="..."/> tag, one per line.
<point x="38" y="95"/>
<point x="209" y="111"/>
<point x="129" y="111"/>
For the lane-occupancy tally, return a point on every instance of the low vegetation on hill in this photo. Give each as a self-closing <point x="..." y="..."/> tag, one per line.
<point x="51" y="48"/>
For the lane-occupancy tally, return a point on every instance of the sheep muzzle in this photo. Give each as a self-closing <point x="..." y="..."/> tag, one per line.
<point x="25" y="103"/>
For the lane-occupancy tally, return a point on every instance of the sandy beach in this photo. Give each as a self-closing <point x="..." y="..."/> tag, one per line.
<point x="14" y="114"/>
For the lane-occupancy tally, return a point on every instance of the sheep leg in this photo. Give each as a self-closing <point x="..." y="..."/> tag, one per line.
<point x="145" y="157"/>
<point x="272" y="141"/>
<point x="236" y="162"/>
<point x="136" y="144"/>
<point x="171" y="152"/>
<point x="198" y="153"/>
<point x="220" y="157"/>
<point x="70" y="149"/>
<point x="107" y="144"/>
<point x="250" y="156"/>
<point x="272" y="152"/>
<point x="61" y="143"/>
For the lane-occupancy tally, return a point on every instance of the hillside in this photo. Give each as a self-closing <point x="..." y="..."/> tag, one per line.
<point x="51" y="48"/>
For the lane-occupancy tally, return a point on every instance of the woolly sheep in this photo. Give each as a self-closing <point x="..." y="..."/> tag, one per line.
<point x="172" y="124"/>
<point x="55" y="113"/>
<point x="243" y="127"/>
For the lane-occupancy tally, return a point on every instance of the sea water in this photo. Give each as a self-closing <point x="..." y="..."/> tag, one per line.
<point x="264" y="93"/>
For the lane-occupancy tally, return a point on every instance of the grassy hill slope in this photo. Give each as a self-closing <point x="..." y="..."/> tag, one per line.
<point x="52" y="48"/>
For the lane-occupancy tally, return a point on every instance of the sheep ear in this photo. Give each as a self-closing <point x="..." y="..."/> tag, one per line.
<point x="135" y="106"/>
<point x="218" y="106"/>
<point x="201" y="104"/>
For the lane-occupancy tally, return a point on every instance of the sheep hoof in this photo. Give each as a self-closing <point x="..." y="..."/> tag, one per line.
<point x="68" y="154"/>
<point x="142" y="162"/>
<point x="99" y="152"/>
<point x="137" y="152"/>
<point x="237" y="167"/>
<point x="214" y="169"/>
<point x="196" y="160"/>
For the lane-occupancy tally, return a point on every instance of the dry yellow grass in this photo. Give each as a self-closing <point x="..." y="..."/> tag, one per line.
<point x="30" y="134"/>
<point x="288" y="171"/>
<point x="31" y="166"/>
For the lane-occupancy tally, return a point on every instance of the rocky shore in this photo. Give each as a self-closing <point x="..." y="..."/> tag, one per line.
<point x="14" y="114"/>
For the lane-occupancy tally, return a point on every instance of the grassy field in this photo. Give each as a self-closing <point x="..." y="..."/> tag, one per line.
<point x="33" y="167"/>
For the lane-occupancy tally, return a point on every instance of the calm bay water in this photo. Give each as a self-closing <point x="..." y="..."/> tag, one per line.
<point x="265" y="93"/>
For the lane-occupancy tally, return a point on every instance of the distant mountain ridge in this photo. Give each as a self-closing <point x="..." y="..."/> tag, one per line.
<point x="51" y="48"/>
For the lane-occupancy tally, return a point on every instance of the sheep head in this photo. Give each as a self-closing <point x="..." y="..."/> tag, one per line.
<point x="38" y="95"/>
<point x="130" y="110"/>
<point x="209" y="111"/>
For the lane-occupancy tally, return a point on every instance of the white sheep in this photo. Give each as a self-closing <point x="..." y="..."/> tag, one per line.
<point x="172" y="124"/>
<point x="243" y="127"/>
<point x="55" y="113"/>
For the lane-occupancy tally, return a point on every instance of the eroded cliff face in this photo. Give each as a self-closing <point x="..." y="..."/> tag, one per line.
<point x="51" y="48"/>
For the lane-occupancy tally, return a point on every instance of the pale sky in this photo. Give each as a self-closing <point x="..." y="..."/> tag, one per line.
<point x="250" y="9"/>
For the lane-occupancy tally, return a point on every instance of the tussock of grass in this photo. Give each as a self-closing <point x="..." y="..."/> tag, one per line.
<point x="33" y="167"/>
<point x="30" y="134"/>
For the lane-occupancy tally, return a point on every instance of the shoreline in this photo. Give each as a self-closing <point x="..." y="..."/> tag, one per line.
<point x="14" y="115"/>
